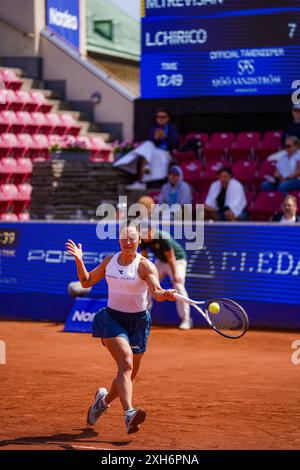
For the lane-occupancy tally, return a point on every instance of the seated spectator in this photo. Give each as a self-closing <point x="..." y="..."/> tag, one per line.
<point x="294" y="127"/>
<point x="150" y="160"/>
<point x="176" y="191"/>
<point x="226" y="199"/>
<point x="289" y="211"/>
<point x="287" y="175"/>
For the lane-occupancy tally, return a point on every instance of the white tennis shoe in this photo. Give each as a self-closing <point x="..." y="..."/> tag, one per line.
<point x="186" y="324"/>
<point x="98" y="407"/>
<point x="133" y="419"/>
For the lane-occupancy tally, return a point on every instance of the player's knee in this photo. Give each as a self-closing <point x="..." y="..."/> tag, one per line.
<point x="126" y="365"/>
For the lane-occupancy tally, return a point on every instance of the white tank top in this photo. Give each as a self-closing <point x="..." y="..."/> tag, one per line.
<point x="127" y="292"/>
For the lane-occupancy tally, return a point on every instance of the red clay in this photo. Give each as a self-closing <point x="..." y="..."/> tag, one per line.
<point x="200" y="391"/>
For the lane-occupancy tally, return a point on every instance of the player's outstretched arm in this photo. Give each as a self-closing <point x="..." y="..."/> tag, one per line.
<point x="149" y="273"/>
<point x="87" y="279"/>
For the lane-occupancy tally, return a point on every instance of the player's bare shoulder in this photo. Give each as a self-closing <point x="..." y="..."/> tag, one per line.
<point x="146" y="267"/>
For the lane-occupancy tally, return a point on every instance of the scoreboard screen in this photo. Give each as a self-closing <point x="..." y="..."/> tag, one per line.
<point x="219" y="47"/>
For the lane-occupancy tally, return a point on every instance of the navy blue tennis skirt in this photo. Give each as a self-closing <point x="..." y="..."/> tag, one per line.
<point x="134" y="327"/>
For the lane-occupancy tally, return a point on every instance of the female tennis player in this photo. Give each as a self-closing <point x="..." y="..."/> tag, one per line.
<point x="124" y="325"/>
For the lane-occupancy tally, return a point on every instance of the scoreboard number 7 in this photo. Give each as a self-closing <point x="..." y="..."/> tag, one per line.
<point x="292" y="29"/>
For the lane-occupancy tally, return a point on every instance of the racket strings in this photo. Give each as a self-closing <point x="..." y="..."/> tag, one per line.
<point x="231" y="320"/>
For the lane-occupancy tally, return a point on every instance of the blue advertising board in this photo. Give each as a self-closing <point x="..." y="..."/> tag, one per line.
<point x="63" y="18"/>
<point x="201" y="48"/>
<point x="256" y="264"/>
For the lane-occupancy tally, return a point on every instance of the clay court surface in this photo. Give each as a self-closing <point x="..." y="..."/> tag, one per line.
<point x="200" y="391"/>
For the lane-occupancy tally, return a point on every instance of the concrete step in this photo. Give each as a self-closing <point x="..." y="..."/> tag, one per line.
<point x="104" y="135"/>
<point x="17" y="70"/>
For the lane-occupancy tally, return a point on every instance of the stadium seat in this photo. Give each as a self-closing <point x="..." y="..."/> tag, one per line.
<point x="271" y="143"/>
<point x="10" y="146"/>
<point x="22" y="201"/>
<point x="209" y="174"/>
<point x="10" y="79"/>
<point x="57" y="127"/>
<point x="245" y="145"/>
<point x="203" y="136"/>
<point x="191" y="171"/>
<point x="218" y="146"/>
<point x="155" y="196"/>
<point x="250" y="196"/>
<point x="182" y="156"/>
<point x="265" y="169"/>
<point x="25" y="119"/>
<point x="71" y="126"/>
<point x="266" y="205"/>
<point x="8" y="167"/>
<point x="4" y="125"/>
<point x="23" y="170"/>
<point x="24" y="98"/>
<point x="42" y="123"/>
<point x="24" y="216"/>
<point x="41" y="146"/>
<point x="8" y="194"/>
<point x="101" y="151"/>
<point x="9" y="101"/>
<point x="9" y="217"/>
<point x="296" y="194"/>
<point x="244" y="171"/>
<point x="14" y="126"/>
<point x="41" y="102"/>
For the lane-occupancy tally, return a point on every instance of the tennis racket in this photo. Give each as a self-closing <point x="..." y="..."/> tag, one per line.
<point x="231" y="321"/>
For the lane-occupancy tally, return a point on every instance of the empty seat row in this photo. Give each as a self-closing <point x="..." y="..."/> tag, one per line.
<point x="12" y="217"/>
<point x="23" y="100"/>
<point x="15" y="170"/>
<point x="38" y="146"/>
<point x="38" y="123"/>
<point x="232" y="146"/>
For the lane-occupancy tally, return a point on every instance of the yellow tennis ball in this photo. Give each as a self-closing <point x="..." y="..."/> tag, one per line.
<point x="214" y="307"/>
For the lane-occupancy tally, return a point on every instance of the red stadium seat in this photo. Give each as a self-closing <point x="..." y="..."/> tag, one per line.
<point x="71" y="126"/>
<point x="244" y="171"/>
<point x="26" y="120"/>
<point x="271" y="143"/>
<point x="4" y="125"/>
<point x="24" y="216"/>
<point x="10" y="79"/>
<point x="23" y="170"/>
<point x="27" y="144"/>
<point x="22" y="201"/>
<point x="192" y="171"/>
<point x="42" y="123"/>
<point x="57" y="126"/>
<point x="10" y="101"/>
<point x="27" y="104"/>
<point x="9" y="217"/>
<point x="41" y="102"/>
<point x="266" y="205"/>
<point x="219" y="144"/>
<point x="14" y="125"/>
<point x="296" y="194"/>
<point x="41" y="146"/>
<point x="203" y="136"/>
<point x="182" y="156"/>
<point x="265" y="169"/>
<point x="8" y="168"/>
<point x="101" y="151"/>
<point x="155" y="196"/>
<point x="245" y="145"/>
<point x="209" y="174"/>
<point x="10" y="146"/>
<point x="8" y="194"/>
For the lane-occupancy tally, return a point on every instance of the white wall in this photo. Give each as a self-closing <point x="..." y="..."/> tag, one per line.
<point x="82" y="83"/>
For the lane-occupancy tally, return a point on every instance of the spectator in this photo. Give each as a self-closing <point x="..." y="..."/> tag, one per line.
<point x="226" y="199"/>
<point x="150" y="160"/>
<point x="294" y="127"/>
<point x="289" y="211"/>
<point x="287" y="175"/>
<point x="176" y="191"/>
